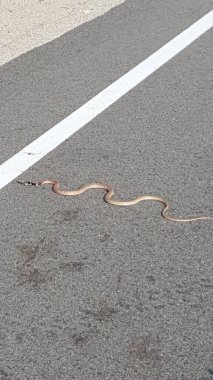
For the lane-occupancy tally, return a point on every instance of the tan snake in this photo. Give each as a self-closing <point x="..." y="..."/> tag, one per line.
<point x="108" y="197"/>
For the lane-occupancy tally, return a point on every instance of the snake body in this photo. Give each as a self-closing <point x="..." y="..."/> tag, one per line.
<point x="109" y="194"/>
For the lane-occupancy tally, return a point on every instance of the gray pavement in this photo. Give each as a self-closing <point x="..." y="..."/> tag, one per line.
<point x="90" y="291"/>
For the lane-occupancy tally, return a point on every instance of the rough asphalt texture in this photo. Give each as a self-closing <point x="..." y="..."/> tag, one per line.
<point x="90" y="291"/>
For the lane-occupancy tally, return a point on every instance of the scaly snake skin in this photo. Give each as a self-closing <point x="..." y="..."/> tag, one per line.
<point x="108" y="197"/>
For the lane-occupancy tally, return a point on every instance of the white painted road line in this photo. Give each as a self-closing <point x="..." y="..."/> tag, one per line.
<point x="39" y="148"/>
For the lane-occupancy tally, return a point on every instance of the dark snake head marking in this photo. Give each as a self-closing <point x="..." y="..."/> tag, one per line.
<point x="28" y="183"/>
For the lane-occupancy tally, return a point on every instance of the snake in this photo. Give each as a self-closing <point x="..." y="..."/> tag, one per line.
<point x="109" y="194"/>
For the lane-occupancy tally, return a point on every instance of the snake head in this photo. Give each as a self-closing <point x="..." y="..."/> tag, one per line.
<point x="28" y="183"/>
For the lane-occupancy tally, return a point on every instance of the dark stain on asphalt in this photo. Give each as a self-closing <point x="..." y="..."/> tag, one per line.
<point x="105" y="236"/>
<point x="103" y="314"/>
<point x="30" y="251"/>
<point x="70" y="215"/>
<point x="145" y="351"/>
<point x="79" y="339"/>
<point x="72" y="267"/>
<point x="150" y="279"/>
<point x="33" y="277"/>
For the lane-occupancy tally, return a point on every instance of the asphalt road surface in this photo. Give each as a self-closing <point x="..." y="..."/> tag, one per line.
<point x="88" y="290"/>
